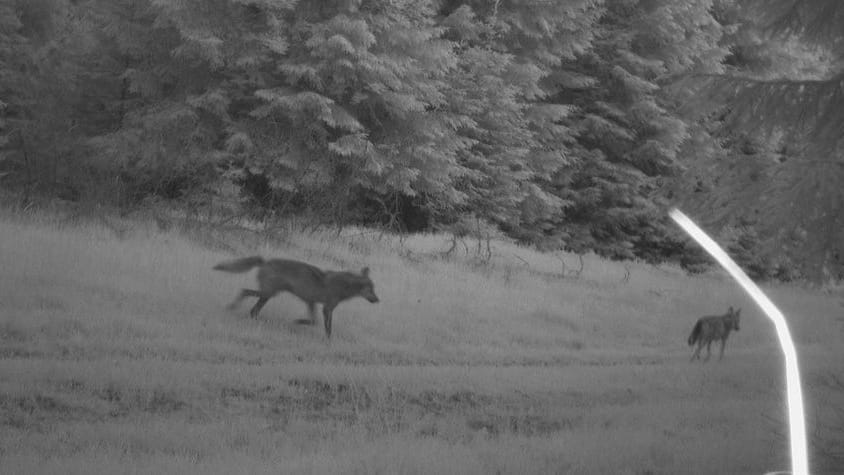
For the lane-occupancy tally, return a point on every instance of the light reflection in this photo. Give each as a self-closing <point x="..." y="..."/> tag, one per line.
<point x="796" y="417"/>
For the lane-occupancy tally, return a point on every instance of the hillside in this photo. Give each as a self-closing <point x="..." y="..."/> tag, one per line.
<point x="117" y="355"/>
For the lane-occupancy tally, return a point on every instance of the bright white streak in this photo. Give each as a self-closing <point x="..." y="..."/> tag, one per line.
<point x="796" y="420"/>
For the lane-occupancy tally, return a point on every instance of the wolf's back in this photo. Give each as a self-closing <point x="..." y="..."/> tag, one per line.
<point x="240" y="265"/>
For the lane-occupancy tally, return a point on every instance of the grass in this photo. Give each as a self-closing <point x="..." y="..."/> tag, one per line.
<point x="117" y="356"/>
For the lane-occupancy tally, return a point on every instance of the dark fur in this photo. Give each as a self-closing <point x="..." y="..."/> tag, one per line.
<point x="311" y="284"/>
<point x="713" y="327"/>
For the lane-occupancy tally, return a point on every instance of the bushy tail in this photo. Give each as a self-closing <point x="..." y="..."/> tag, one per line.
<point x="695" y="333"/>
<point x="240" y="265"/>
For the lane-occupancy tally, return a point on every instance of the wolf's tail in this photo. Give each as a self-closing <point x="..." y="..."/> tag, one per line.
<point x="695" y="333"/>
<point x="240" y="265"/>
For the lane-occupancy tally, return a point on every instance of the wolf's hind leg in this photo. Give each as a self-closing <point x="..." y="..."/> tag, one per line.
<point x="262" y="300"/>
<point x="311" y="314"/>
<point x="696" y="354"/>
<point x="327" y="313"/>
<point x="242" y="295"/>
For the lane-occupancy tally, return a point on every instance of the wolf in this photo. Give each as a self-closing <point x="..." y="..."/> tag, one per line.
<point x="311" y="284"/>
<point x="713" y="327"/>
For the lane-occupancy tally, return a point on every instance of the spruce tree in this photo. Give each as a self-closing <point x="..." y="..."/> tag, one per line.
<point x="358" y="107"/>
<point x="182" y="69"/>
<point x="778" y="110"/>
<point x="43" y="44"/>
<point x="628" y="134"/>
<point x="507" y="53"/>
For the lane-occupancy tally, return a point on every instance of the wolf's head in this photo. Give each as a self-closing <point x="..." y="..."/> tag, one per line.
<point x="367" y="288"/>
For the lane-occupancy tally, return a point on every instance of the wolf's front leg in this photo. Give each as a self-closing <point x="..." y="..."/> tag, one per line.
<point x="327" y="313"/>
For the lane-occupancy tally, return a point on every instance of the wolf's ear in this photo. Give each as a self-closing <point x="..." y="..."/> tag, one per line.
<point x="731" y="309"/>
<point x="737" y="312"/>
<point x="365" y="272"/>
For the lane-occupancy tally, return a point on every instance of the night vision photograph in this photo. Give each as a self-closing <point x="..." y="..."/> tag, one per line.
<point x="422" y="237"/>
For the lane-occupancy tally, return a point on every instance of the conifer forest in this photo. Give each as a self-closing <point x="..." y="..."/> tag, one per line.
<point x="420" y="236"/>
<point x="568" y="125"/>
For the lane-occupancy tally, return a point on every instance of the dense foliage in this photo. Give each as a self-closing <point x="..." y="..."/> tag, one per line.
<point x="564" y="124"/>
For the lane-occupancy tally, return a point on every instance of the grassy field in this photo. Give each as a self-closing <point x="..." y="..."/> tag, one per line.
<point x="117" y="355"/>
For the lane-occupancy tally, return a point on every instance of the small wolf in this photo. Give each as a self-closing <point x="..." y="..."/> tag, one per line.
<point x="713" y="327"/>
<point x="309" y="283"/>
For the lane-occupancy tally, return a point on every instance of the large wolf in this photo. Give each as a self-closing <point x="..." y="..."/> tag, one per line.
<point x="311" y="284"/>
<point x="713" y="327"/>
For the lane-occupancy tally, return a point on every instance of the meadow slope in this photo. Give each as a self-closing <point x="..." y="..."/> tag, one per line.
<point x="117" y="355"/>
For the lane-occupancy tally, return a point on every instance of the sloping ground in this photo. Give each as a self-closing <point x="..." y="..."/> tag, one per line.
<point x="117" y="356"/>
